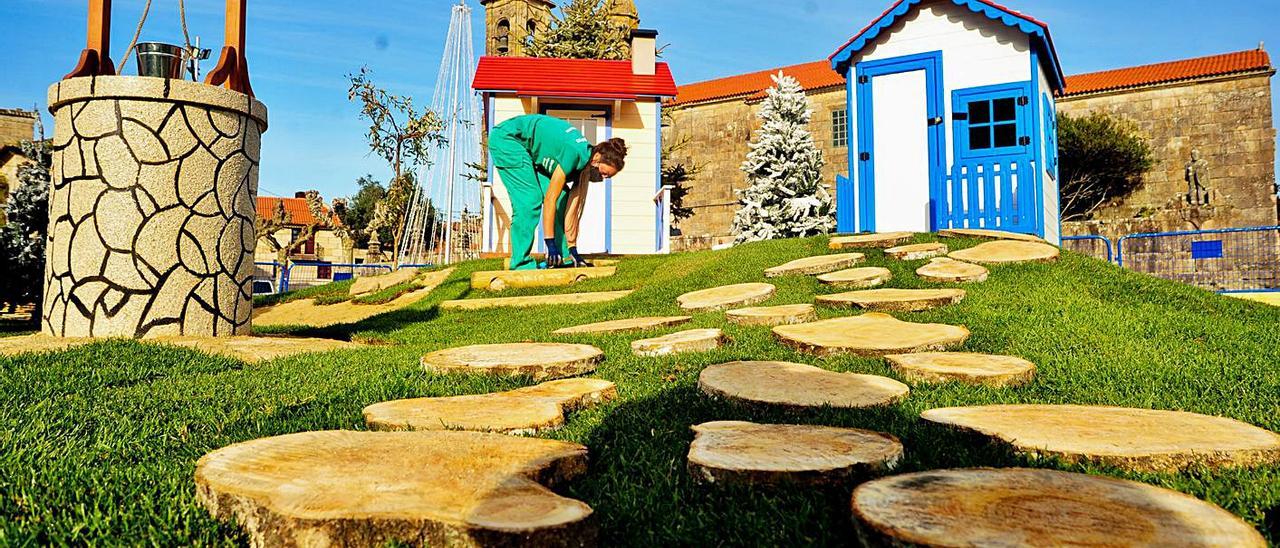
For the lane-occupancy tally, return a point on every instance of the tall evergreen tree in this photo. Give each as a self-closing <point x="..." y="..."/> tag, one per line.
<point x="785" y="197"/>
<point x="583" y="30"/>
<point x="22" y="239"/>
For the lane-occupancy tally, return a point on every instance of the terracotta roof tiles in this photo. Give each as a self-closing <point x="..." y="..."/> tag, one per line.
<point x="1172" y="71"/>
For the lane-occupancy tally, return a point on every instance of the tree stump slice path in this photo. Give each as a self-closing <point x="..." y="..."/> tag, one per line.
<point x="726" y="297"/>
<point x="894" y="300"/>
<point x="501" y="280"/>
<point x="1142" y="440"/>
<point x="530" y="410"/>
<point x="786" y="314"/>
<point x="372" y="284"/>
<point x="870" y="241"/>
<point x="624" y="325"/>
<point x="541" y="361"/>
<point x="347" y="488"/>
<point x="988" y="234"/>
<point x="947" y="270"/>
<point x="745" y="453"/>
<point x="535" y="300"/>
<point x="871" y="334"/>
<point x="693" y="340"/>
<point x="798" y="386"/>
<point x="1007" y="252"/>
<point x="248" y="349"/>
<point x="857" y="278"/>
<point x="820" y="264"/>
<point x="916" y="252"/>
<point x="307" y="312"/>
<point x="1032" y="507"/>
<point x="979" y="369"/>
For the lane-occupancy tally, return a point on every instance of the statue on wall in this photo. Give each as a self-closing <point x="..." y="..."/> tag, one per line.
<point x="1197" y="180"/>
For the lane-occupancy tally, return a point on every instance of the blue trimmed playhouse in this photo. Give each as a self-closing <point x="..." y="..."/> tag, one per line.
<point x="955" y="121"/>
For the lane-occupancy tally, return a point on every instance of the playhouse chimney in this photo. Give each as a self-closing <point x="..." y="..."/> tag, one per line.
<point x="644" y="52"/>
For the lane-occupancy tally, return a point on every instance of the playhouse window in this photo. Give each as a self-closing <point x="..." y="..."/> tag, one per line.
<point x="840" y="128"/>
<point x="993" y="123"/>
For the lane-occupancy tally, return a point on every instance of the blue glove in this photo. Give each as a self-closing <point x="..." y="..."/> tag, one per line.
<point x="578" y="261"/>
<point x="554" y="257"/>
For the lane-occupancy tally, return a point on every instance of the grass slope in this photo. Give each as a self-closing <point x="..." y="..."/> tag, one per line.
<point x="99" y="443"/>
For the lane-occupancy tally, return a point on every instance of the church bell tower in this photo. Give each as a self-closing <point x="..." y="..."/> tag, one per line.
<point x="509" y="23"/>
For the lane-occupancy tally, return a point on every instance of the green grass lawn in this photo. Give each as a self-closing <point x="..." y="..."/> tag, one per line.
<point x="99" y="443"/>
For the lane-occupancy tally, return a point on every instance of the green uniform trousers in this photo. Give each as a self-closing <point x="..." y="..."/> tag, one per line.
<point x="527" y="188"/>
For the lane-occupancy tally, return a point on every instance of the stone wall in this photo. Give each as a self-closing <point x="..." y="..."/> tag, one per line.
<point x="151" y="221"/>
<point x="715" y="137"/>
<point x="16" y="126"/>
<point x="1229" y="120"/>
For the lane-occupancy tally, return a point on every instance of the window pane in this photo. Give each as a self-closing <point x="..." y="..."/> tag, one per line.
<point x="979" y="112"/>
<point x="1006" y="110"/>
<point x="1006" y="135"/>
<point x="979" y="138"/>
<point x="839" y="128"/>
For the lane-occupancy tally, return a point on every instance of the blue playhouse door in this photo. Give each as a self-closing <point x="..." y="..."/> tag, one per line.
<point x="901" y="147"/>
<point x="994" y="180"/>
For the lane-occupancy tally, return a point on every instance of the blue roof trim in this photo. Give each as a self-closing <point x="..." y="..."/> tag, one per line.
<point x="1049" y="56"/>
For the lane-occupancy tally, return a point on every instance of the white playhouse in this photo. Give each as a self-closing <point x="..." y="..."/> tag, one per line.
<point x="628" y="214"/>
<point x="955" y="121"/>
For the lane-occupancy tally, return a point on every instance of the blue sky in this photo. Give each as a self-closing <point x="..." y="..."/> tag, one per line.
<point x="298" y="57"/>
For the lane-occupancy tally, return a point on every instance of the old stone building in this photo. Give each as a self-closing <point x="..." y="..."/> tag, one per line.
<point x="1220" y="105"/>
<point x="510" y="23"/>
<point x="16" y="126"/>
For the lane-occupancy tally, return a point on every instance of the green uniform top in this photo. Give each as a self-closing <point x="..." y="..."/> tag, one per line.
<point x="552" y="143"/>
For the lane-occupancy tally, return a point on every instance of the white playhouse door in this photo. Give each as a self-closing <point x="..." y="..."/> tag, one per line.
<point x="591" y="235"/>
<point x="901" y="158"/>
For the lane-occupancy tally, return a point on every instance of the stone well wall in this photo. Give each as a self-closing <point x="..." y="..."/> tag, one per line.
<point x="151" y="224"/>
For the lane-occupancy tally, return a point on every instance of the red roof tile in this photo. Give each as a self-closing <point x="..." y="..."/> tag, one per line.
<point x="815" y="75"/>
<point x="1173" y="71"/>
<point x="296" y="208"/>
<point x="571" y="78"/>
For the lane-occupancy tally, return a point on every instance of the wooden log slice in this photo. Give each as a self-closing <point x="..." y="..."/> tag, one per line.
<point x="693" y="340"/>
<point x="786" y="314"/>
<point x="256" y="349"/>
<point x="982" y="369"/>
<point x="894" y="300"/>
<point x="916" y="252"/>
<point x="1144" y="440"/>
<point x="871" y="334"/>
<point x="857" y="278"/>
<point x="988" y="234"/>
<point x="500" y="280"/>
<point x="870" y="241"/>
<point x="1007" y="252"/>
<point x="535" y="300"/>
<point x="732" y="452"/>
<point x="344" y="488"/>
<point x="370" y="284"/>
<point x="947" y="270"/>
<point x="798" y="386"/>
<point x="625" y="325"/>
<point x="820" y="264"/>
<point x="1028" y="507"/>
<point x="530" y="410"/>
<point x="541" y="361"/>
<point x="726" y="297"/>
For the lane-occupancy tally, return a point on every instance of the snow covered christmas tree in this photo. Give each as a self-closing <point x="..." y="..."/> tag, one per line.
<point x="785" y="197"/>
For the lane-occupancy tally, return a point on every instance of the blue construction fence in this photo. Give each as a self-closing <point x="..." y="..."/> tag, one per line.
<point x="271" y="277"/>
<point x="1227" y="260"/>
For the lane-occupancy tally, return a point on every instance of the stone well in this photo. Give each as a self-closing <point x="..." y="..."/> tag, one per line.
<point x="151" y="209"/>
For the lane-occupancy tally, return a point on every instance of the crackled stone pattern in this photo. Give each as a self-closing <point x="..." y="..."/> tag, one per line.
<point x="151" y="225"/>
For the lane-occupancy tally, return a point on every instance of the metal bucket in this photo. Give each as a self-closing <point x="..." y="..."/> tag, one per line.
<point x="160" y="60"/>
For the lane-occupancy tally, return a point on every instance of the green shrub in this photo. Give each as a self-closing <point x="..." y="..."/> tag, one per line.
<point x="1100" y="157"/>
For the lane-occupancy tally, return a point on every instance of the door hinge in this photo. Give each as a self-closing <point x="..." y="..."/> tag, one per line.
<point x="864" y="156"/>
<point x="959" y="116"/>
<point x="1023" y="101"/>
<point x="1024" y="141"/>
<point x="864" y="79"/>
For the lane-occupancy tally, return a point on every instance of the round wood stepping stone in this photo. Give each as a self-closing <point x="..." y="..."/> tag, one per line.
<point x="736" y="452"/>
<point x="916" y="252"/>
<point x="530" y="410"/>
<point x="1006" y="252"/>
<point x="1132" y="439"/>
<point x="871" y="334"/>
<point x="535" y="300"/>
<point x="983" y="369"/>
<point x="541" y="361"/>
<point x="370" y="284"/>
<point x="1030" y="507"/>
<point x="869" y="241"/>
<point x="693" y="340"/>
<point x="988" y="234"/>
<point x="946" y="270"/>
<point x="725" y="297"/>
<point x="786" y="314"/>
<point x="622" y="326"/>
<point x="895" y="300"/>
<point x="797" y="386"/>
<point x="857" y="278"/>
<point x="820" y="264"/>
<point x="501" y="280"/>
<point x="346" y="488"/>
